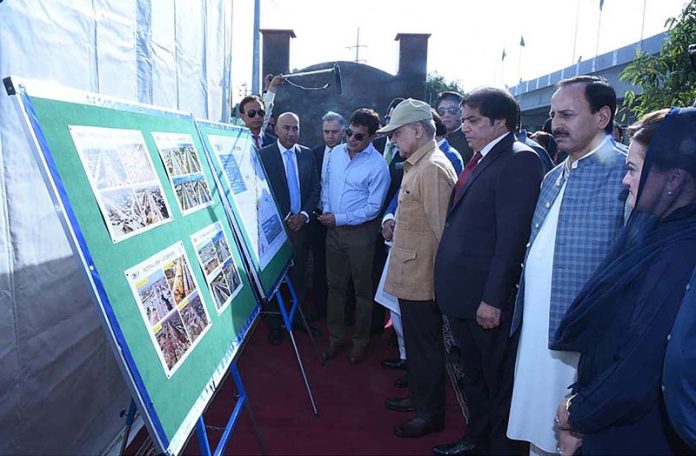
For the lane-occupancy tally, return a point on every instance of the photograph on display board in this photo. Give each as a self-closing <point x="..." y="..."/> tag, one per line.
<point x="252" y="196"/>
<point x="123" y="179"/>
<point x="181" y="160"/>
<point x="170" y="303"/>
<point x="219" y="268"/>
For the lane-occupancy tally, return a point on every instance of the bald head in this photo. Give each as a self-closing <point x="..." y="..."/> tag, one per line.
<point x="288" y="129"/>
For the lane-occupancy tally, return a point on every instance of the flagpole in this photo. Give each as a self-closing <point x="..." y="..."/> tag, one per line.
<point x="575" y="39"/>
<point x="599" y="29"/>
<point x="642" y="27"/>
<point x="519" y="59"/>
<point x="502" y="76"/>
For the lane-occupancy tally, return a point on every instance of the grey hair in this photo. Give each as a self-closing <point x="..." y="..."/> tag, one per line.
<point x="334" y="117"/>
<point x="429" y="127"/>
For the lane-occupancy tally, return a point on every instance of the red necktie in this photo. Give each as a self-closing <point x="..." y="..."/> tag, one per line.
<point x="256" y="140"/>
<point x="464" y="176"/>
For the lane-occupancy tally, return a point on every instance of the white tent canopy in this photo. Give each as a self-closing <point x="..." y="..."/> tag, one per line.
<point x="60" y="388"/>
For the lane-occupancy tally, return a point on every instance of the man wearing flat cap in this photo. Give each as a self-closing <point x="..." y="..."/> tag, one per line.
<point x="420" y="218"/>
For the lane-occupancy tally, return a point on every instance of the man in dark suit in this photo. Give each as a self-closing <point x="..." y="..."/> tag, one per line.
<point x="478" y="263"/>
<point x="448" y="108"/>
<point x="333" y="130"/>
<point x="295" y="183"/>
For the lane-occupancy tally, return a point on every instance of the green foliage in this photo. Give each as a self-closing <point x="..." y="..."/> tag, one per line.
<point x="667" y="79"/>
<point x="436" y="83"/>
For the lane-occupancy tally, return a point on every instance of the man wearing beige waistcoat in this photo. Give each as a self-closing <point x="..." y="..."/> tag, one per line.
<point x="420" y="219"/>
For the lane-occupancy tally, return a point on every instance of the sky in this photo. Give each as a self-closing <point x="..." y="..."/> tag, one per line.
<point x="467" y="37"/>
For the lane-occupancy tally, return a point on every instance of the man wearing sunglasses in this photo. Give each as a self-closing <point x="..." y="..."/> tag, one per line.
<point x="254" y="115"/>
<point x="353" y="192"/>
<point x="448" y="106"/>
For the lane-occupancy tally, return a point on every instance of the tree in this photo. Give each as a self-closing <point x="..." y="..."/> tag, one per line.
<point x="666" y="79"/>
<point x="436" y="83"/>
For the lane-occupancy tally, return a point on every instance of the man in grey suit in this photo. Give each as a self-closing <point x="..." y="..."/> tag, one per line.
<point x="294" y="180"/>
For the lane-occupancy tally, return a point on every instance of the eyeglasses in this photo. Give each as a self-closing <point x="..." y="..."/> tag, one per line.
<point x="358" y="136"/>
<point x="454" y="111"/>
<point x="252" y="113"/>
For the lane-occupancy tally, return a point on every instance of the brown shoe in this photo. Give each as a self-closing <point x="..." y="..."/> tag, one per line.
<point x="357" y="354"/>
<point x="332" y="350"/>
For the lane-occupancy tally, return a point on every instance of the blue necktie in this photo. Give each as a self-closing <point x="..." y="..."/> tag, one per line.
<point x="293" y="185"/>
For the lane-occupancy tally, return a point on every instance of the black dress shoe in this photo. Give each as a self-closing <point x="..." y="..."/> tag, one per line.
<point x="394" y="363"/>
<point x="275" y="335"/>
<point x="331" y="351"/>
<point x="418" y="427"/>
<point x="400" y="404"/>
<point x="402" y="382"/>
<point x="460" y="447"/>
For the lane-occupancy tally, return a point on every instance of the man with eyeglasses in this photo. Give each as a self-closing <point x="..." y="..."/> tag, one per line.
<point x="420" y="217"/>
<point x="255" y="117"/>
<point x="448" y="106"/>
<point x="352" y="195"/>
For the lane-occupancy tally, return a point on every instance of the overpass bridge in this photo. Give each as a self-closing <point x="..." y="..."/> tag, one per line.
<point x="534" y="95"/>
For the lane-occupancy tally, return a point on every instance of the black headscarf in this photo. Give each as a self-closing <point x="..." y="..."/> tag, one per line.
<point x="643" y="239"/>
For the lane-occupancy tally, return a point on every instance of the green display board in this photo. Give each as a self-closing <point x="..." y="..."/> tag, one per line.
<point x="250" y="199"/>
<point x="139" y="204"/>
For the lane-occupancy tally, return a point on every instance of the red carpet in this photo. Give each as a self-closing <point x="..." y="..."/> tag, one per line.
<point x="350" y="399"/>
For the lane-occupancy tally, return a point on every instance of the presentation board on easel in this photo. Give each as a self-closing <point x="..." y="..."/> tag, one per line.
<point x="249" y="197"/>
<point x="139" y="205"/>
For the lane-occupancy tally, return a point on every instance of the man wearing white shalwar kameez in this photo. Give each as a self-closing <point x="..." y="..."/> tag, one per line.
<point x="548" y="373"/>
<point x="578" y="216"/>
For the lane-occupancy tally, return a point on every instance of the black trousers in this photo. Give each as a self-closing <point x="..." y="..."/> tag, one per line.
<point x="317" y="244"/>
<point x="422" y="322"/>
<point x="378" y="310"/>
<point x="488" y="359"/>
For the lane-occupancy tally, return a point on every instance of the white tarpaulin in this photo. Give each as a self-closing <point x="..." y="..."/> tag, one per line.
<point x="60" y="387"/>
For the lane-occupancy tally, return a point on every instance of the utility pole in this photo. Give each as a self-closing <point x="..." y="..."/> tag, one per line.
<point x="357" y="48"/>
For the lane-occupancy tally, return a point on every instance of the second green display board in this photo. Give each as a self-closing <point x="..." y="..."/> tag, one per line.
<point x="260" y="224"/>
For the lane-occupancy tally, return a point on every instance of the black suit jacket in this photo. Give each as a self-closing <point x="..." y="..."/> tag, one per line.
<point x="310" y="187"/>
<point x="268" y="139"/>
<point x="396" y="173"/>
<point x="318" y="153"/>
<point x="457" y="139"/>
<point x="483" y="243"/>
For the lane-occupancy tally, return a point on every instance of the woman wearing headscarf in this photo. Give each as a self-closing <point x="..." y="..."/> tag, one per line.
<point x="620" y="320"/>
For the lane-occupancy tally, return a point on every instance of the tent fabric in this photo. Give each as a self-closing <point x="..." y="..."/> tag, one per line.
<point x="61" y="389"/>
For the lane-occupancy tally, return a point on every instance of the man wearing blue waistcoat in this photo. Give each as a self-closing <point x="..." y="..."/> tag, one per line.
<point x="577" y="218"/>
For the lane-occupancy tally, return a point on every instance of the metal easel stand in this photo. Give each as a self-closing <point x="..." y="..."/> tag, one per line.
<point x="130" y="419"/>
<point x="242" y="401"/>
<point x="288" y="318"/>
